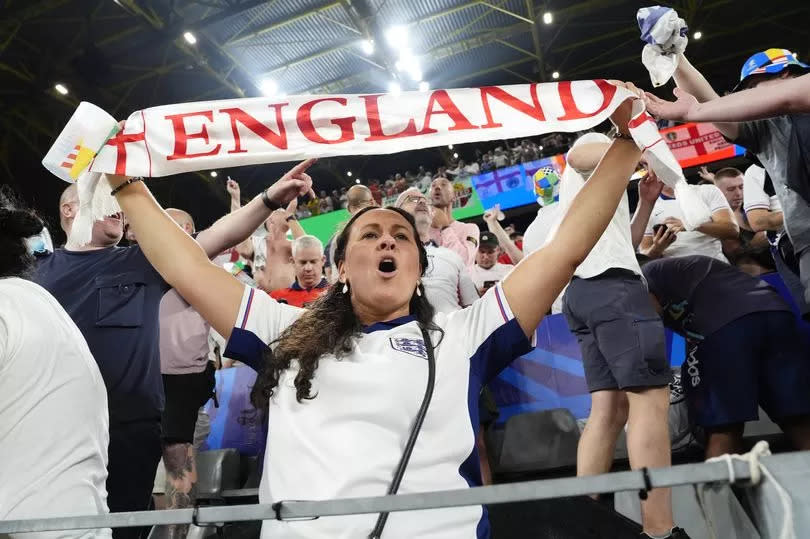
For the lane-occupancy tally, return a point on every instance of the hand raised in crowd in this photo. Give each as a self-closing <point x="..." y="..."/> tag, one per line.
<point x="704" y="174"/>
<point x="233" y="189"/>
<point x="664" y="237"/>
<point x="649" y="189"/>
<point x="293" y="184"/>
<point x="675" y="224"/>
<point x="621" y="116"/>
<point x="292" y="207"/>
<point x="491" y="216"/>
<point x="678" y="110"/>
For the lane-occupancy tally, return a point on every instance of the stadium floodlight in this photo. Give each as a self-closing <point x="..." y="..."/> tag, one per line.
<point x="213" y="173"/>
<point x="424" y="86"/>
<point x="394" y="88"/>
<point x="190" y="38"/>
<point x="269" y="87"/>
<point x="397" y="35"/>
<point x="368" y="46"/>
<point x="349" y="173"/>
<point x="697" y="35"/>
<point x="555" y="75"/>
<point x="548" y="18"/>
<point x="61" y="88"/>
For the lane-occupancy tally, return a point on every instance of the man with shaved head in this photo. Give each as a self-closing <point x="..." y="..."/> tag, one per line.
<point x="357" y="197"/>
<point x="113" y="295"/>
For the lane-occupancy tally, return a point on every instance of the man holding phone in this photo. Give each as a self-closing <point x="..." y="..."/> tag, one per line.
<point x="707" y="239"/>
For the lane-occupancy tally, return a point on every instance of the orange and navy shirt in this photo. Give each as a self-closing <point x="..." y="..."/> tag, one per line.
<point x="299" y="296"/>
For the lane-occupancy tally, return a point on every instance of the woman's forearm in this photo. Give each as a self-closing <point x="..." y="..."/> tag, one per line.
<point x="182" y="263"/>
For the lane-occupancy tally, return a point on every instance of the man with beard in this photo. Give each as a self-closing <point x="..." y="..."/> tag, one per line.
<point x="461" y="238"/>
<point x="447" y="283"/>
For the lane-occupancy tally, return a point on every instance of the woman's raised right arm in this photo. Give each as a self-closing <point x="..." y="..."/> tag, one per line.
<point x="211" y="290"/>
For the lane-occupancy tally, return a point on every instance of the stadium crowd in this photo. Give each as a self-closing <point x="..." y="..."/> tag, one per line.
<point x="486" y="159"/>
<point x="136" y="333"/>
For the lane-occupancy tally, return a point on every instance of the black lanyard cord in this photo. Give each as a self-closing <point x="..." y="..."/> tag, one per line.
<point x="376" y="533"/>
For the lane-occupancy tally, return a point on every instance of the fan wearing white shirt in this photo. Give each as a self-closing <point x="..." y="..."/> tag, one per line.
<point x="621" y="338"/>
<point x="705" y="240"/>
<point x="487" y="270"/>
<point x="447" y="282"/>
<point x="764" y="213"/>
<point x="342" y="382"/>
<point x="53" y="403"/>
<point x="750" y="251"/>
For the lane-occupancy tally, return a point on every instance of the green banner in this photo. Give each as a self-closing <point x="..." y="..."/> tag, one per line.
<point x="467" y="205"/>
<point x="323" y="226"/>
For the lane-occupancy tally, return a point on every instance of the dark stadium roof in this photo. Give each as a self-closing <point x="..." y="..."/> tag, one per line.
<point x="124" y="55"/>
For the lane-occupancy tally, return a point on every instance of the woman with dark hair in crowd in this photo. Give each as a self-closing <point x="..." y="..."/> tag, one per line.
<point x="53" y="404"/>
<point x="343" y="381"/>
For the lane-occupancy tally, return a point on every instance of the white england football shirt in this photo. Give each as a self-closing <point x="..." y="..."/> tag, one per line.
<point x="497" y="272"/>
<point x="54" y="429"/>
<point x="348" y="440"/>
<point x="448" y="286"/>
<point x="693" y="242"/>
<point x="754" y="195"/>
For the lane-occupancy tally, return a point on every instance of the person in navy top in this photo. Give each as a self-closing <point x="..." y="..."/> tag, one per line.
<point x="343" y="380"/>
<point x="113" y="295"/>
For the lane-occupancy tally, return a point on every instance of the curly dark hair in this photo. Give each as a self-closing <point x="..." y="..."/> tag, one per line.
<point x="328" y="327"/>
<point x="16" y="224"/>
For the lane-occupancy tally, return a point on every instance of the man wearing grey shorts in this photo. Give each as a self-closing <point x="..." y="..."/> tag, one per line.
<point x="622" y="341"/>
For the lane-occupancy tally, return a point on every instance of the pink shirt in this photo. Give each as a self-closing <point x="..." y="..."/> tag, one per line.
<point x="461" y="238"/>
<point x="183" y="336"/>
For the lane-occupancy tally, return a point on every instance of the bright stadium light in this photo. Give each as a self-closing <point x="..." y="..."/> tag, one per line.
<point x="269" y="87"/>
<point x="190" y="39"/>
<point x="357" y="180"/>
<point x="368" y="46"/>
<point x="697" y="35"/>
<point x="555" y="75"/>
<point x="349" y="173"/>
<point x="213" y="173"/>
<point x="424" y="86"/>
<point x="394" y="88"/>
<point x="455" y="156"/>
<point x="548" y="18"/>
<point x="397" y="35"/>
<point x="449" y="146"/>
<point x="61" y="88"/>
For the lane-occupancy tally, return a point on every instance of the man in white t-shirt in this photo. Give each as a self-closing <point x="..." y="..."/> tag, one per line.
<point x="621" y="338"/>
<point x="764" y="213"/>
<point x="750" y="251"/>
<point x="447" y="282"/>
<point x="705" y="240"/>
<point x="487" y="270"/>
<point x="762" y="209"/>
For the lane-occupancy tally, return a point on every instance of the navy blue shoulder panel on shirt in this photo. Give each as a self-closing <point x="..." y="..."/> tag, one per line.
<point x="246" y="347"/>
<point x="503" y="346"/>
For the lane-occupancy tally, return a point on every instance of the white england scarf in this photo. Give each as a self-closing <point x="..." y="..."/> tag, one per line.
<point x="172" y="139"/>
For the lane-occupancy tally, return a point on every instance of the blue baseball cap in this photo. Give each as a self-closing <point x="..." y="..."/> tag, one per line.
<point x="771" y="61"/>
